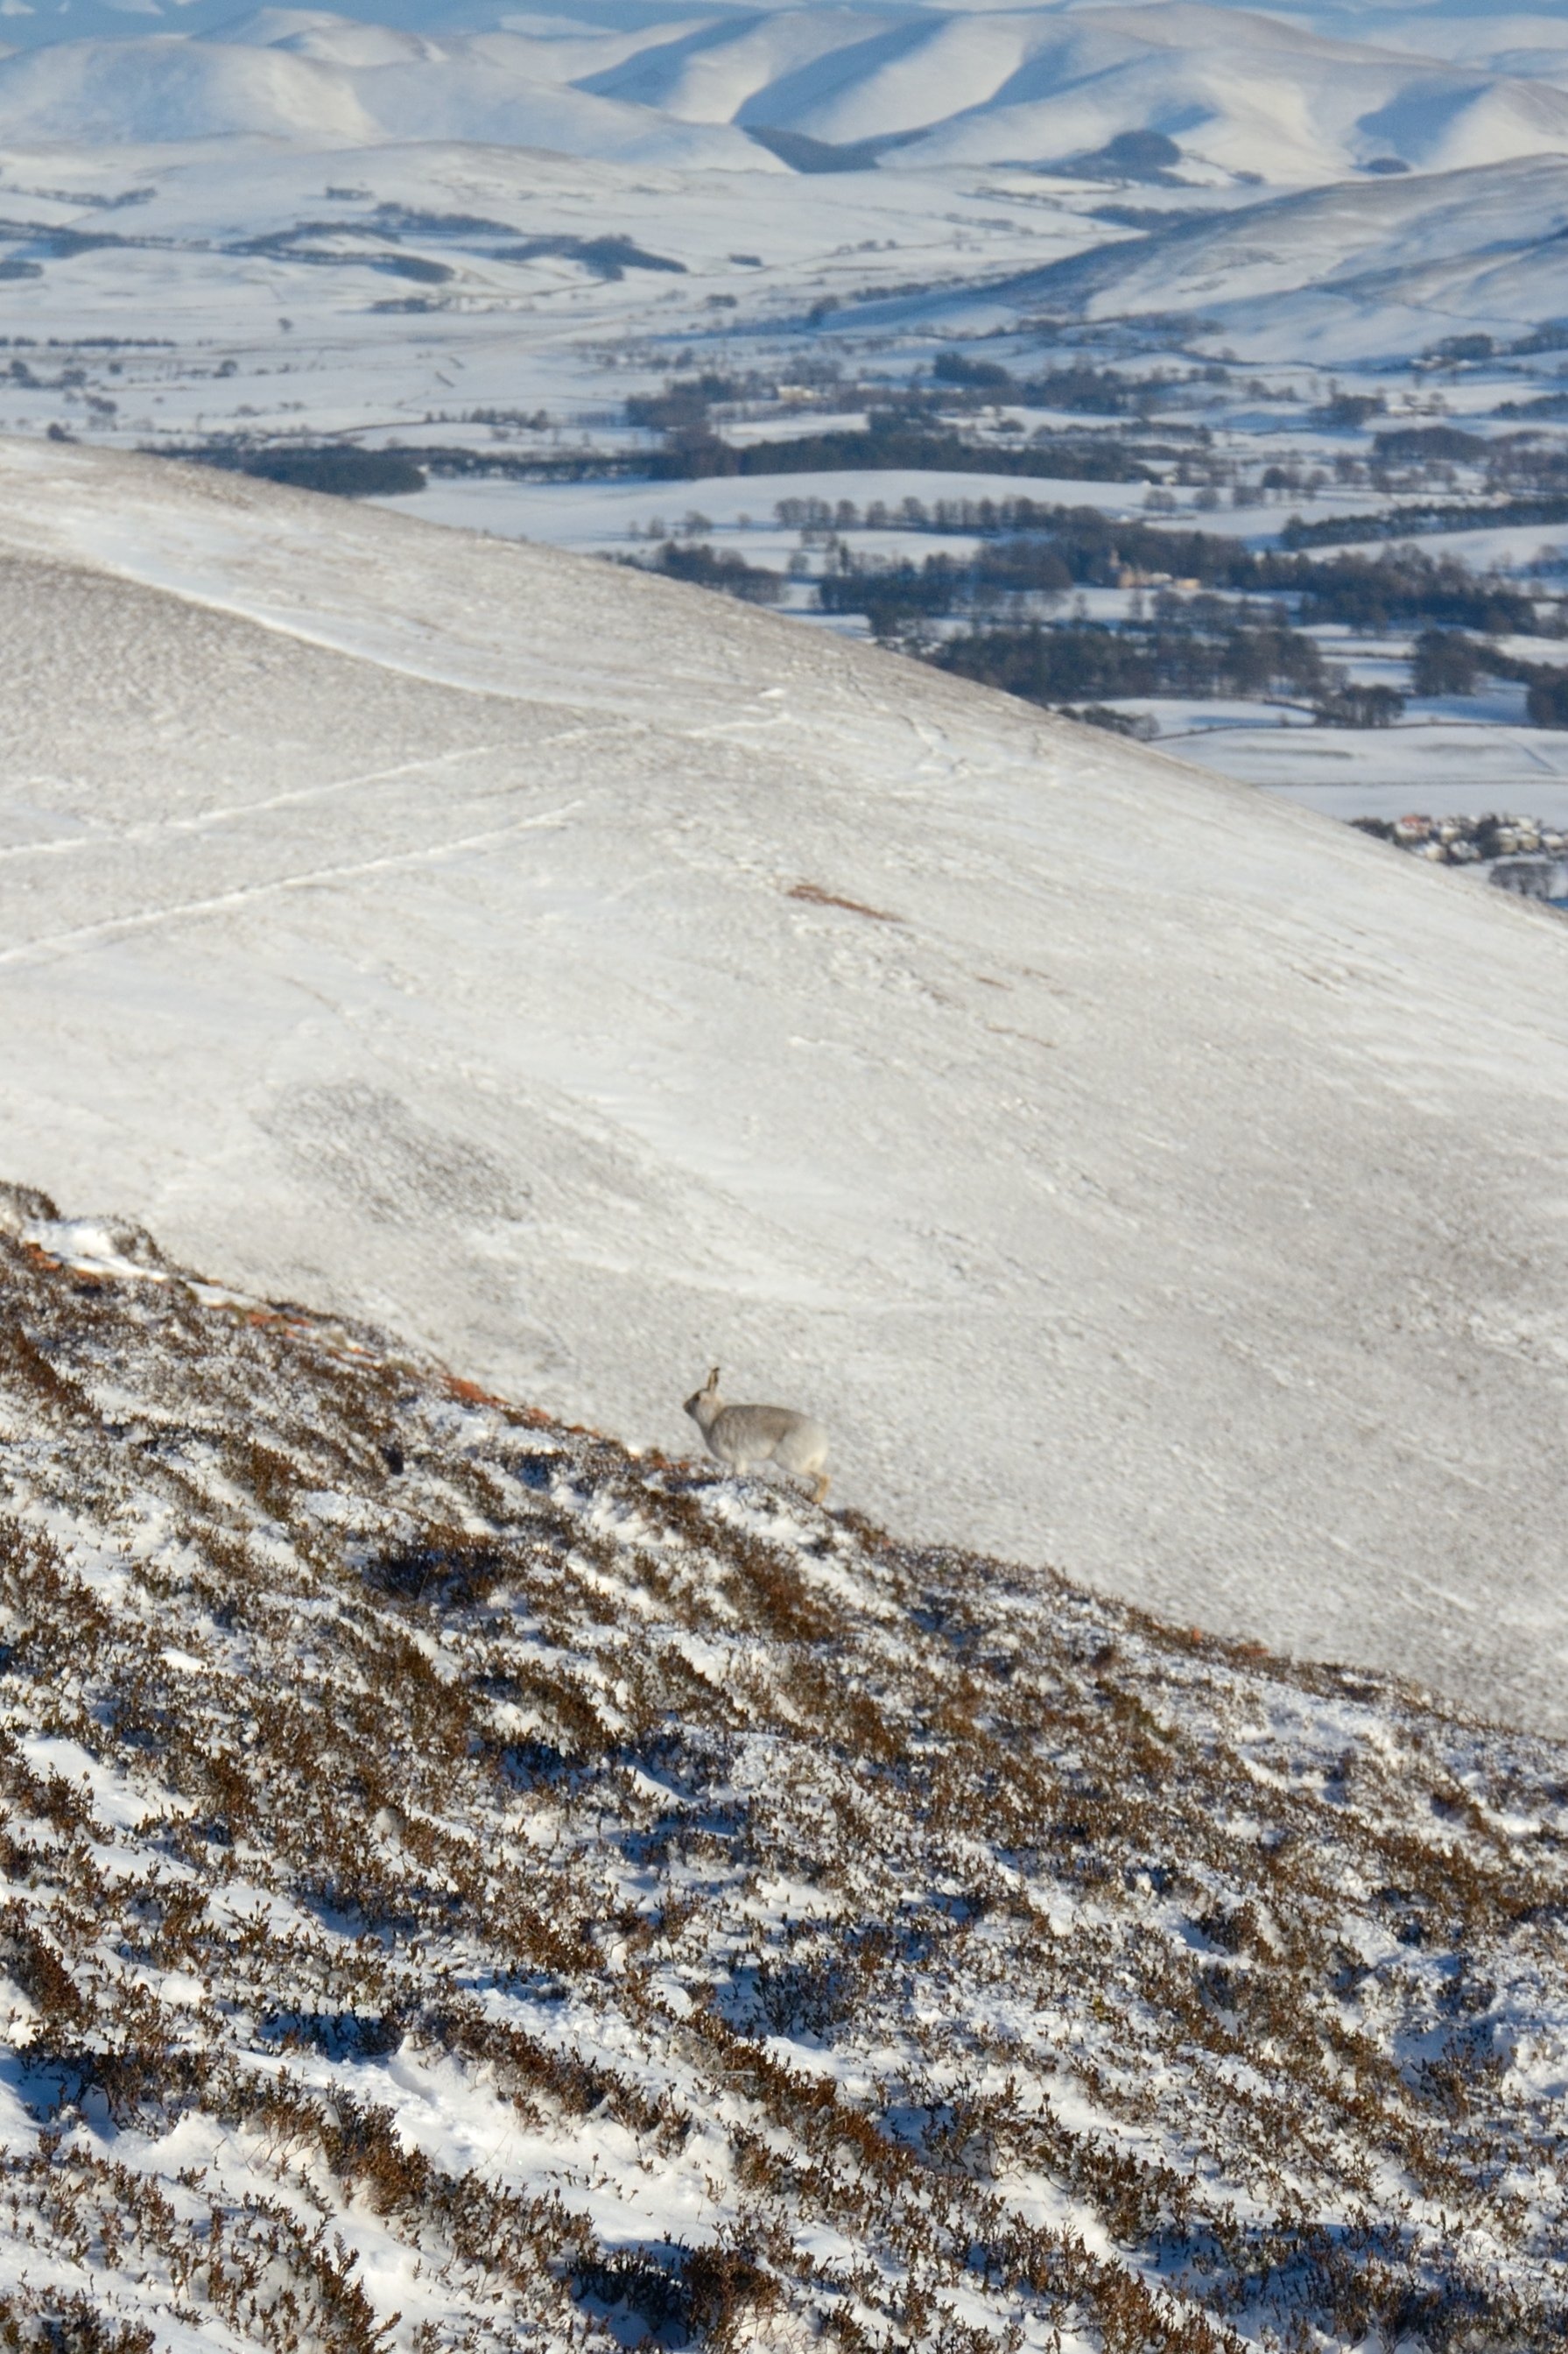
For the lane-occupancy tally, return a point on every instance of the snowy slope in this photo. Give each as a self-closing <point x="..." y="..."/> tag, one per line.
<point x="464" y="1888"/>
<point x="598" y="979"/>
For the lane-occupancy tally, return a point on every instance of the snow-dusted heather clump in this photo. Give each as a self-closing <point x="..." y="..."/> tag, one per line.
<point x="470" y="1886"/>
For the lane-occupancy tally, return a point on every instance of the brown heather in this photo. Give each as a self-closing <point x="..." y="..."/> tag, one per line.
<point x="1028" y="1972"/>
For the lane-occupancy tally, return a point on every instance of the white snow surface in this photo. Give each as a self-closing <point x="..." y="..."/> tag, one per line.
<point x="596" y="980"/>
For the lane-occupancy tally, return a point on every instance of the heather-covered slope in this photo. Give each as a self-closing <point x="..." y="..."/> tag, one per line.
<point x="466" y="1885"/>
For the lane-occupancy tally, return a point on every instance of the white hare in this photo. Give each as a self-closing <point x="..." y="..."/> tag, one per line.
<point x="746" y="1436"/>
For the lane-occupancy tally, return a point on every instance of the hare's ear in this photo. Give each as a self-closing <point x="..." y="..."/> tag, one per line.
<point x="713" y="1379"/>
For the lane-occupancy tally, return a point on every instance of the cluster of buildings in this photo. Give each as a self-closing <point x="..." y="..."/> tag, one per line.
<point x="1520" y="853"/>
<point x="1471" y="841"/>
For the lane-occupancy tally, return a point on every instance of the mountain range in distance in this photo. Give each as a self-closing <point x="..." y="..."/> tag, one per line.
<point x="1230" y="96"/>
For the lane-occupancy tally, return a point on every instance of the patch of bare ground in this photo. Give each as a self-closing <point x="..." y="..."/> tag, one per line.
<point x="817" y="896"/>
<point x="465" y="1886"/>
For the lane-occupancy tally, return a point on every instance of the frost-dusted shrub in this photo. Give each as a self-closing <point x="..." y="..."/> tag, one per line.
<point x="1546" y="702"/>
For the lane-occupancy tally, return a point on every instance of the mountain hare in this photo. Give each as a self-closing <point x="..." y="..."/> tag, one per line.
<point x="746" y="1436"/>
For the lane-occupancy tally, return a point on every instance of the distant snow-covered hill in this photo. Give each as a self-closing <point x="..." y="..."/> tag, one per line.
<point x="1370" y="270"/>
<point x="168" y="88"/>
<point x="1241" y="93"/>
<point x="599" y="979"/>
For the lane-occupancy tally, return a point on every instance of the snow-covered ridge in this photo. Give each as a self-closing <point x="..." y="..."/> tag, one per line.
<point x="466" y="1886"/>
<point x="1241" y="91"/>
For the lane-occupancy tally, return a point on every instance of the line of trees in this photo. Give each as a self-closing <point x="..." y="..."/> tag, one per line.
<point x="1187" y="645"/>
<point x="1043" y="546"/>
<point x="708" y="568"/>
<point x="1447" y="662"/>
<point x="1401" y="523"/>
<point x="1049" y="549"/>
<point x="1083" y="390"/>
<point x="1080" y="547"/>
<point x="1076" y="662"/>
<point x="893" y="443"/>
<point x="340" y="468"/>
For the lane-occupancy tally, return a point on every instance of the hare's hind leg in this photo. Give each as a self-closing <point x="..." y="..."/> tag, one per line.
<point x="820" y="1483"/>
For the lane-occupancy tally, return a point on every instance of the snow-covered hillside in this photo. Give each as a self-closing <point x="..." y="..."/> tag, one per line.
<point x="1239" y="91"/>
<point x="597" y="979"/>
<point x="465" y="1887"/>
<point x="1361" y="271"/>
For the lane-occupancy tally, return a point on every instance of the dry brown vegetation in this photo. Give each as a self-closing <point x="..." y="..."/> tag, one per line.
<point x="816" y="895"/>
<point x="455" y="1869"/>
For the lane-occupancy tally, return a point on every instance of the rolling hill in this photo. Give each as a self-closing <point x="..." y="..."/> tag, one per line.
<point x="596" y="980"/>
<point x="1375" y="270"/>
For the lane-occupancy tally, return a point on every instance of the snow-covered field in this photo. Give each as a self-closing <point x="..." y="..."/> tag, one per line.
<point x="429" y="290"/>
<point x="1443" y="769"/>
<point x="598" y="979"/>
<point x="609" y="518"/>
<point x="466" y="1888"/>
